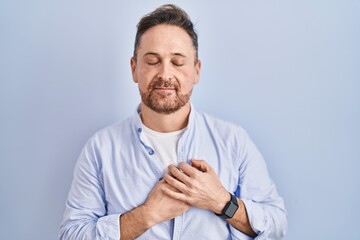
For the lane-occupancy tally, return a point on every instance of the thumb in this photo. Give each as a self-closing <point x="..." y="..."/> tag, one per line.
<point x="200" y="165"/>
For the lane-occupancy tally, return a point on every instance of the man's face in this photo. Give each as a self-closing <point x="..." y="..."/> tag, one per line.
<point x="166" y="68"/>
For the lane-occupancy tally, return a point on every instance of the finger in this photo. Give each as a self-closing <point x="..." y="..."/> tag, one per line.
<point x="188" y="170"/>
<point x="161" y="181"/>
<point x="200" y="165"/>
<point x="174" y="183"/>
<point x="177" y="173"/>
<point x="175" y="195"/>
<point x="170" y="187"/>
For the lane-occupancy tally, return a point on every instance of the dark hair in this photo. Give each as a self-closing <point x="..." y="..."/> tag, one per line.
<point x="166" y="14"/>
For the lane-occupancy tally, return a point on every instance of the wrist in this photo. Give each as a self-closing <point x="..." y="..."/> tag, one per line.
<point x="223" y="199"/>
<point x="149" y="217"/>
<point x="230" y="208"/>
<point x="134" y="223"/>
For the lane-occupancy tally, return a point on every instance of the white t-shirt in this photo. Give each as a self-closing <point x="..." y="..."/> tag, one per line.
<point x="164" y="144"/>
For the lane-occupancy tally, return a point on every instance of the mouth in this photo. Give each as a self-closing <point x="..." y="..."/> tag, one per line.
<point x="165" y="88"/>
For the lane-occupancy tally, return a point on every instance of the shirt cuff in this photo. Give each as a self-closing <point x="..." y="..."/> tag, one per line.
<point x="258" y="218"/>
<point x="108" y="227"/>
<point x="237" y="235"/>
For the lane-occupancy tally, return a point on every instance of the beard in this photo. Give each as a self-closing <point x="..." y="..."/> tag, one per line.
<point x="165" y="103"/>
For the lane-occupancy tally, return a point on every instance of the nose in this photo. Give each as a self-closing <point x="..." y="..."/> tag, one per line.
<point x="165" y="72"/>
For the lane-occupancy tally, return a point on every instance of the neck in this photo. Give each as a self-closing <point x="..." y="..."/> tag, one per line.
<point x="165" y="122"/>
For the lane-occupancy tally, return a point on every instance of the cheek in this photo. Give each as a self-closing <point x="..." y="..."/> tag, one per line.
<point x="186" y="73"/>
<point x="145" y="77"/>
<point x="188" y="77"/>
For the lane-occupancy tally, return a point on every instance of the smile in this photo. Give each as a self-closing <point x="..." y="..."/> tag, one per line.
<point x="165" y="89"/>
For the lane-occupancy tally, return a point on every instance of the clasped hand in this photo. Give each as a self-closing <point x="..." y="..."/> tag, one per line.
<point x="185" y="186"/>
<point x="197" y="185"/>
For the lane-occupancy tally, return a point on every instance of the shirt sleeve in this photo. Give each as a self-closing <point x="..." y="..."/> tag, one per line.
<point x="85" y="214"/>
<point x="264" y="206"/>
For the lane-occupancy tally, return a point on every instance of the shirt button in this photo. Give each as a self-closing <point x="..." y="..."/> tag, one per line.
<point x="151" y="152"/>
<point x="139" y="129"/>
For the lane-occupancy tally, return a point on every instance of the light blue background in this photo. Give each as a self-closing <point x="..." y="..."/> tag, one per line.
<point x="287" y="71"/>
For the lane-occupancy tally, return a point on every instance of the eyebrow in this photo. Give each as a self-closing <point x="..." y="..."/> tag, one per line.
<point x="158" y="55"/>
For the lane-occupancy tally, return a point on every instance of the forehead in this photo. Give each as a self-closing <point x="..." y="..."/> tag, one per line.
<point x="164" y="38"/>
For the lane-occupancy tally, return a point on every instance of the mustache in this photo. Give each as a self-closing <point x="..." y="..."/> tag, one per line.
<point x="164" y="83"/>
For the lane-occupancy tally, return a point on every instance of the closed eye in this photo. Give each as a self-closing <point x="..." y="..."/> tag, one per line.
<point x="151" y="59"/>
<point x="152" y="63"/>
<point x="177" y="64"/>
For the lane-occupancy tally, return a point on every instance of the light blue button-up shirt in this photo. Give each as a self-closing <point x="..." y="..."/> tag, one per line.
<point x="116" y="171"/>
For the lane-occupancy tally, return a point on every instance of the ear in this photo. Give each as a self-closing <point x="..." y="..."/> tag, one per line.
<point x="133" y="69"/>
<point x="197" y="71"/>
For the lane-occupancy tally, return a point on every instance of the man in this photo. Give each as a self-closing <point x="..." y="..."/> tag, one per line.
<point x="170" y="172"/>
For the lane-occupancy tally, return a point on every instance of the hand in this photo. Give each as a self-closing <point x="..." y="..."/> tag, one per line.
<point x="161" y="207"/>
<point x="197" y="185"/>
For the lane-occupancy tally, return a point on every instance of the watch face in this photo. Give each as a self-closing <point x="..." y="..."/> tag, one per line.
<point x="230" y="211"/>
<point x="230" y="208"/>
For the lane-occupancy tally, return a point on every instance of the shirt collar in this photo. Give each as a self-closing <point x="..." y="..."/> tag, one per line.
<point x="138" y="123"/>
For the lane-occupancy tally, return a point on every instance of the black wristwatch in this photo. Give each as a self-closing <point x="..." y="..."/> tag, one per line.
<point x="230" y="208"/>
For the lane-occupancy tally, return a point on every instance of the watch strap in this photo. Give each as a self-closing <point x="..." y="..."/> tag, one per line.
<point x="230" y="208"/>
